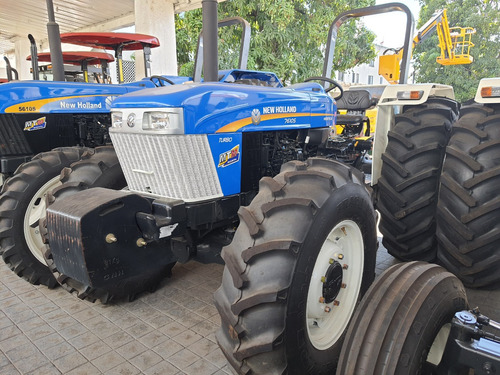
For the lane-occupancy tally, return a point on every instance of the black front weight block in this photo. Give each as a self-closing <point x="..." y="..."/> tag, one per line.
<point x="95" y="239"/>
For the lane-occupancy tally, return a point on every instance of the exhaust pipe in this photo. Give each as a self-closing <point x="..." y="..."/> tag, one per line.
<point x="10" y="70"/>
<point x="55" y="44"/>
<point x="210" y="40"/>
<point x="34" y="57"/>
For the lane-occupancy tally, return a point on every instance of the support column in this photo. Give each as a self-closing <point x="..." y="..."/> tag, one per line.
<point x="22" y="50"/>
<point x="156" y="18"/>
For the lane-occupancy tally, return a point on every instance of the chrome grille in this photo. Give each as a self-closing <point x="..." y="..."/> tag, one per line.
<point x="172" y="166"/>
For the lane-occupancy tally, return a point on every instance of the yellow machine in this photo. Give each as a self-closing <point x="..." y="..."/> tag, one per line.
<point x="455" y="44"/>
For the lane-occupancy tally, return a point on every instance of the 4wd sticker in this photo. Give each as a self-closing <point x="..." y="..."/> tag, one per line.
<point x="35" y="124"/>
<point x="229" y="157"/>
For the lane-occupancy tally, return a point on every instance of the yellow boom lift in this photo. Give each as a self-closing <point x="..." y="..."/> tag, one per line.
<point x="454" y="42"/>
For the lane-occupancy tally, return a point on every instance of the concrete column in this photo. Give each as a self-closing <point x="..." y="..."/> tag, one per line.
<point x="22" y="50"/>
<point x="156" y="17"/>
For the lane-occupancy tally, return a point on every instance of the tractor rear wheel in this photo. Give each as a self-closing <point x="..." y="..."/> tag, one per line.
<point x="402" y="324"/>
<point x="22" y="206"/>
<point x="468" y="229"/>
<point x="99" y="168"/>
<point x="301" y="258"/>
<point x="408" y="186"/>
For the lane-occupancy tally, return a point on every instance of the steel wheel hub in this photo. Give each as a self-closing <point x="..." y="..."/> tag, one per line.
<point x="335" y="284"/>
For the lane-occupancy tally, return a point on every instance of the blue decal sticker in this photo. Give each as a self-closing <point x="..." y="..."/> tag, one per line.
<point x="229" y="157"/>
<point x="227" y="154"/>
<point x="37" y="124"/>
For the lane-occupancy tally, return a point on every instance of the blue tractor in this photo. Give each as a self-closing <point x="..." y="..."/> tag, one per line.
<point x="48" y="119"/>
<point x="188" y="163"/>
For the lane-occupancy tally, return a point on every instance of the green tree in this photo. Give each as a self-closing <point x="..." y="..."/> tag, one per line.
<point x="288" y="36"/>
<point x="484" y="16"/>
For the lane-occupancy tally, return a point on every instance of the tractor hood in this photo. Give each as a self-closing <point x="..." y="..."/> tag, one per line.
<point x="228" y="107"/>
<point x="61" y="97"/>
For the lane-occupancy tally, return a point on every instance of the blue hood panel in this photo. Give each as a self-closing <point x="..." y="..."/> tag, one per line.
<point x="61" y="97"/>
<point x="224" y="107"/>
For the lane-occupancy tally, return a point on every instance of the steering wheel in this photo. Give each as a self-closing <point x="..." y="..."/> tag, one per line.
<point x="334" y="83"/>
<point x="160" y="81"/>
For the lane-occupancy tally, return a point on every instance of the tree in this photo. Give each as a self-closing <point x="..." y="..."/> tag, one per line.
<point x="482" y="15"/>
<point x="288" y="36"/>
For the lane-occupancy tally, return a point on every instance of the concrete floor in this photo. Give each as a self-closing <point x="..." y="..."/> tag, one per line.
<point x="171" y="331"/>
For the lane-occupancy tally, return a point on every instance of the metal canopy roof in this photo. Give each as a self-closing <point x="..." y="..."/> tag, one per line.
<point x="129" y="41"/>
<point x="22" y="17"/>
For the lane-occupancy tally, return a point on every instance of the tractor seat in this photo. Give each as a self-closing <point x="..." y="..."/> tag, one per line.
<point x="355" y="102"/>
<point x="349" y="119"/>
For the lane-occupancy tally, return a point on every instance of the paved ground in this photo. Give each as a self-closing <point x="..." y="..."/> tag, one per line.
<point x="171" y="331"/>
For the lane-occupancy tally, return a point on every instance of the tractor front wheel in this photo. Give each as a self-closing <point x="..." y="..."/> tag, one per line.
<point x="402" y="324"/>
<point x="22" y="206"/>
<point x="302" y="257"/>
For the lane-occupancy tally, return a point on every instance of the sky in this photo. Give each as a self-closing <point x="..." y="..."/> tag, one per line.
<point x="390" y="28"/>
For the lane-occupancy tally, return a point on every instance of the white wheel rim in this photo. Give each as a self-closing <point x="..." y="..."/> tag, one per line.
<point x="326" y="321"/>
<point x="35" y="212"/>
<point x="437" y="348"/>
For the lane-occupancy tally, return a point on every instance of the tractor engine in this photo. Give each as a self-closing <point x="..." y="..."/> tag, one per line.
<point x="349" y="149"/>
<point x="92" y="129"/>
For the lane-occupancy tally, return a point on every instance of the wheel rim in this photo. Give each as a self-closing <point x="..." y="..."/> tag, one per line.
<point x="35" y="212"/>
<point x="438" y="345"/>
<point x="335" y="284"/>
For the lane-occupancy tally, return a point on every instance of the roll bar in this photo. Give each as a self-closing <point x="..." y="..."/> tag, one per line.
<point x="368" y="11"/>
<point x="244" y="47"/>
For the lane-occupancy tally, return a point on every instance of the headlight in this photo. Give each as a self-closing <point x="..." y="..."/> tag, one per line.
<point x="156" y="120"/>
<point x="116" y="119"/>
<point x="170" y="122"/>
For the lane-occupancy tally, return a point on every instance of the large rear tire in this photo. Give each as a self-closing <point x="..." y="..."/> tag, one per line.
<point x="401" y="325"/>
<point x="99" y="169"/>
<point x="301" y="258"/>
<point x="408" y="186"/>
<point x="22" y="206"/>
<point x="468" y="229"/>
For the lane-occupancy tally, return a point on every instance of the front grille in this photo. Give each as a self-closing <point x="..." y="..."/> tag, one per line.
<point x="172" y="166"/>
<point x="12" y="139"/>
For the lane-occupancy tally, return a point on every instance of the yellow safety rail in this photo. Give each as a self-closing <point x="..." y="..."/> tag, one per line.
<point x="459" y="51"/>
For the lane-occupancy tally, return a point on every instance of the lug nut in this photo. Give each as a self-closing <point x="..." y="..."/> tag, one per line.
<point x="321" y="299"/>
<point x="323" y="279"/>
<point x="141" y="242"/>
<point x="110" y="238"/>
<point x="345" y="266"/>
<point x="331" y="261"/>
<point x="341" y="256"/>
<point x="328" y="309"/>
<point x="343" y="286"/>
<point x="336" y="303"/>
